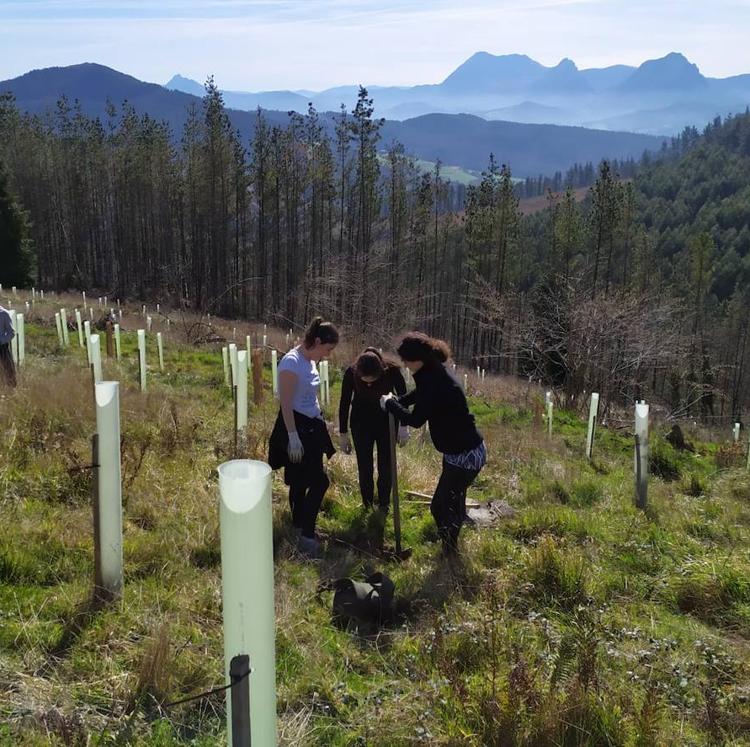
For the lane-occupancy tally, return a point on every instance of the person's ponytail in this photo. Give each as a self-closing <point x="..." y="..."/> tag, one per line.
<point x="326" y="332"/>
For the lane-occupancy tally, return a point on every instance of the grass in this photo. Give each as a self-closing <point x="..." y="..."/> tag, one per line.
<point x="579" y="621"/>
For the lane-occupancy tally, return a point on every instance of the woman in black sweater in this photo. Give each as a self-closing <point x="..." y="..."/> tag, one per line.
<point x="439" y="400"/>
<point x="371" y="376"/>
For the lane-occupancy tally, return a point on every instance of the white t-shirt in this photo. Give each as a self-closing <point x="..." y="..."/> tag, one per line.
<point x="306" y="395"/>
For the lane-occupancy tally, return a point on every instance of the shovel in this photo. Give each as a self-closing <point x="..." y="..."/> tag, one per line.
<point x="400" y="554"/>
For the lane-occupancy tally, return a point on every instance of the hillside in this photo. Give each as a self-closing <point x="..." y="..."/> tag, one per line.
<point x="705" y="190"/>
<point x="458" y="140"/>
<point x="576" y="619"/>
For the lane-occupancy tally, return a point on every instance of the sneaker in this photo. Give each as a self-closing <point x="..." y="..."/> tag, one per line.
<point x="309" y="547"/>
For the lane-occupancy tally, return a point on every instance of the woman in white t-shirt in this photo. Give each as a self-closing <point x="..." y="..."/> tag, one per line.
<point x="300" y="436"/>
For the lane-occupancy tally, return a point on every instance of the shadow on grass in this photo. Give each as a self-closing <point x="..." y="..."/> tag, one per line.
<point x="79" y="621"/>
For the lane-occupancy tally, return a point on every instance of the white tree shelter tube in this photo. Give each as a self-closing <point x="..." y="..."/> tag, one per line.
<point x="736" y="432"/>
<point x="79" y="327"/>
<point x="249" y="348"/>
<point x="160" y="346"/>
<point x="58" y="326"/>
<point x="14" y="342"/>
<point x="96" y="357"/>
<point x="241" y="385"/>
<point x="247" y="588"/>
<point x="20" y="339"/>
<point x="641" y="454"/>
<point x="225" y="361"/>
<point x="110" y="487"/>
<point x="142" y="357"/>
<point x="64" y="326"/>
<point x="593" y="414"/>
<point x="118" y="347"/>
<point x="233" y="363"/>
<point x="87" y="338"/>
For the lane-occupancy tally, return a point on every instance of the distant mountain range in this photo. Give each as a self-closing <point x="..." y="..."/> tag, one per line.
<point x="659" y="97"/>
<point x="460" y="140"/>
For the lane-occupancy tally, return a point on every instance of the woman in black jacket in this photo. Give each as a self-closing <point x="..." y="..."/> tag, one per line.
<point x="371" y="376"/>
<point x="439" y="400"/>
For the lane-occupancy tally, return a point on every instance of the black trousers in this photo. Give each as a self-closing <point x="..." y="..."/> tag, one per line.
<point x="368" y="435"/>
<point x="307" y="480"/>
<point x="308" y="483"/>
<point x="448" y="504"/>
<point x="7" y="367"/>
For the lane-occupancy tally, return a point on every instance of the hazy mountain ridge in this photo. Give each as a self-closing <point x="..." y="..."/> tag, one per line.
<point x="456" y="139"/>
<point x="496" y="85"/>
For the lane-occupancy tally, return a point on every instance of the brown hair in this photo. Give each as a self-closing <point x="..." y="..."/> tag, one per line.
<point x="369" y="363"/>
<point x="417" y="346"/>
<point x="326" y="332"/>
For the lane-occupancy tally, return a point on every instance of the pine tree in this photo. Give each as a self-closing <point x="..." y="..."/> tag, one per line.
<point x="15" y="245"/>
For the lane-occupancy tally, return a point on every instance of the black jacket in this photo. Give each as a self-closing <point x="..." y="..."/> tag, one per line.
<point x="315" y="438"/>
<point x="439" y="401"/>
<point x="364" y="398"/>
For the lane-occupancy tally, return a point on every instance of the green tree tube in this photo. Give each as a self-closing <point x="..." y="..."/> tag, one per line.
<point x="247" y="588"/>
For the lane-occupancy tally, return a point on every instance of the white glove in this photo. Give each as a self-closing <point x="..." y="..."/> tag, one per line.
<point x="294" y="449"/>
<point x="345" y="443"/>
<point x="384" y="398"/>
<point x="403" y="435"/>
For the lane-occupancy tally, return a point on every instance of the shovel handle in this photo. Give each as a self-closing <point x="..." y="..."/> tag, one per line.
<point x="394" y="478"/>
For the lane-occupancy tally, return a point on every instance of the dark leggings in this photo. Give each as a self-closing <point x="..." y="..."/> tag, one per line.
<point x="449" y="501"/>
<point x="7" y="367"/>
<point x="308" y="483"/>
<point x="366" y="437"/>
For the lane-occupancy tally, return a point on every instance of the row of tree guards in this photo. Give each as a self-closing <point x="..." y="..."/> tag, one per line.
<point x="245" y="521"/>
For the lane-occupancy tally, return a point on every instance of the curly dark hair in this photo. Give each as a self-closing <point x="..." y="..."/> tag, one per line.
<point x="417" y="346"/>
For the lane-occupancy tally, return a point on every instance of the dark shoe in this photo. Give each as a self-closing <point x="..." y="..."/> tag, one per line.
<point x="384" y="508"/>
<point x="309" y="547"/>
<point x="450" y="549"/>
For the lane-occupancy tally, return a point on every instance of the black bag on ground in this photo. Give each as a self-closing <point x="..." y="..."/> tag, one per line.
<point x="363" y="602"/>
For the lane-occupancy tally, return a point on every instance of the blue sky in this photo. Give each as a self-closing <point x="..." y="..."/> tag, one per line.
<point x="314" y="44"/>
